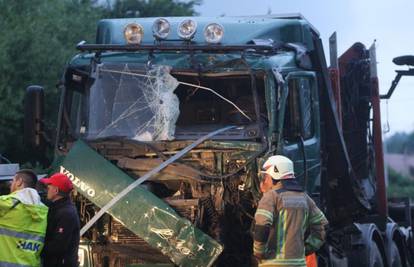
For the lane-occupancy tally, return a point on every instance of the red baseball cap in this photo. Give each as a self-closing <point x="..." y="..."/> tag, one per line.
<point x="59" y="180"/>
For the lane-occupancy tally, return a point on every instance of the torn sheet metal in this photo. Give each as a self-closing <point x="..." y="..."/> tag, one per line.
<point x="125" y="102"/>
<point x="140" y="211"/>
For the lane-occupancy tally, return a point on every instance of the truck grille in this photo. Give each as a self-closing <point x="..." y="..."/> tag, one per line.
<point x="127" y="246"/>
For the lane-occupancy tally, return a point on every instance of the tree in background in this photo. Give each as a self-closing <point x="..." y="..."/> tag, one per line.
<point x="38" y="38"/>
<point x="153" y="8"/>
<point x="401" y="143"/>
<point x="399" y="185"/>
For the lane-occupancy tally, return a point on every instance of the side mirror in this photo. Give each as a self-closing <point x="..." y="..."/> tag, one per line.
<point x="33" y="118"/>
<point x="404" y="60"/>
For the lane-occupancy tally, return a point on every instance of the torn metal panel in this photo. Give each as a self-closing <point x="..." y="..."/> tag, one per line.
<point x="140" y="211"/>
<point x="173" y="170"/>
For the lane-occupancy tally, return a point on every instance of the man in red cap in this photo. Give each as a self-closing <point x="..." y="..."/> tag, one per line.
<point x="62" y="233"/>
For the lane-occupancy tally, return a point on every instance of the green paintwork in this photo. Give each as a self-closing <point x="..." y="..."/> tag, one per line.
<point x="140" y="211"/>
<point x="237" y="30"/>
<point x="311" y="145"/>
<point x="228" y="63"/>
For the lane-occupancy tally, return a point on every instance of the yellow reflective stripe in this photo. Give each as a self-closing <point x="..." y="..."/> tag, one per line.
<point x="305" y="220"/>
<point x="280" y="234"/>
<point x="259" y="247"/>
<point x="317" y="218"/>
<point x="284" y="262"/>
<point x="265" y="213"/>
<point x="283" y="250"/>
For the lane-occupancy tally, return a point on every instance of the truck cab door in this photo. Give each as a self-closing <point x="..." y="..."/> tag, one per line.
<point x="300" y="128"/>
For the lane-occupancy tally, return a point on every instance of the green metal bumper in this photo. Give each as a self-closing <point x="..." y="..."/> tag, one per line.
<point x="140" y="211"/>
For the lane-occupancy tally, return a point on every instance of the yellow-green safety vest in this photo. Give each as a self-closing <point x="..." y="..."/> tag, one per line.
<point x="22" y="231"/>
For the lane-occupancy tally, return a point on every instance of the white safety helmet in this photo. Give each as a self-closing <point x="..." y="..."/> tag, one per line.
<point x="278" y="167"/>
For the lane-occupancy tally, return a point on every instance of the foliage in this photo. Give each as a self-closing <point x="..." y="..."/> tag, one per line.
<point x="399" y="185"/>
<point x="154" y="8"/>
<point x="38" y="38"/>
<point x="401" y="143"/>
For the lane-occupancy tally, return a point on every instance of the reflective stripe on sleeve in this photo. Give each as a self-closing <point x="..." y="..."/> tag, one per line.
<point x="259" y="247"/>
<point x="314" y="243"/>
<point x="316" y="218"/>
<point x="284" y="262"/>
<point x="265" y="213"/>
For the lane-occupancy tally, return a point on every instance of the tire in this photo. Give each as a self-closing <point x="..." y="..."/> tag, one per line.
<point x="395" y="256"/>
<point x="375" y="259"/>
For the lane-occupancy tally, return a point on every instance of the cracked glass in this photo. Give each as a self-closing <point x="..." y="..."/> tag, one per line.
<point x="124" y="101"/>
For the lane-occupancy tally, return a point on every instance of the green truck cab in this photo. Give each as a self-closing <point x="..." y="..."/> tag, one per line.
<point x="149" y="87"/>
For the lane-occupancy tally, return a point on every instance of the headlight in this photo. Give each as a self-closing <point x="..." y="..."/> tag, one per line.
<point x="161" y="28"/>
<point x="133" y="33"/>
<point x="213" y="33"/>
<point x="187" y="29"/>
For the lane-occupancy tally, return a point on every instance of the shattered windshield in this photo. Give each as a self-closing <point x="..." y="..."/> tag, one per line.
<point x="124" y="102"/>
<point x="132" y="101"/>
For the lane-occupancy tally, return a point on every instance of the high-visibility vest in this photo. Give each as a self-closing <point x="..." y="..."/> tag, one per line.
<point x="22" y="231"/>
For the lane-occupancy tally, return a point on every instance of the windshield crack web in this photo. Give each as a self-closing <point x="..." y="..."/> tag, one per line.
<point x="141" y="107"/>
<point x="124" y="102"/>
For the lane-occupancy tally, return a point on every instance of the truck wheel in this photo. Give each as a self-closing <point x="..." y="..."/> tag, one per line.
<point x="375" y="259"/>
<point x="395" y="256"/>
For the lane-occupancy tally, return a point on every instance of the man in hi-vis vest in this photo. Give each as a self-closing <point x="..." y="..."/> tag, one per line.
<point x="23" y="220"/>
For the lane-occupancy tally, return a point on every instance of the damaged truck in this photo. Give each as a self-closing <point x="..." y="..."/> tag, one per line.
<point x="164" y="124"/>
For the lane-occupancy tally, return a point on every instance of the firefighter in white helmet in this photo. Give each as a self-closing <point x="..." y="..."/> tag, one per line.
<point x="283" y="215"/>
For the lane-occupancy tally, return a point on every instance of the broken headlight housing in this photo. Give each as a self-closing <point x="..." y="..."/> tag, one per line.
<point x="161" y="28"/>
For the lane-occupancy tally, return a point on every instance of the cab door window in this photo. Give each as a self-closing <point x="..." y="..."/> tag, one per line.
<point x="298" y="120"/>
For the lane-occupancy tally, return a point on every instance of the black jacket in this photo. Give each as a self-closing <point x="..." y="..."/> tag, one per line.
<point x="62" y="235"/>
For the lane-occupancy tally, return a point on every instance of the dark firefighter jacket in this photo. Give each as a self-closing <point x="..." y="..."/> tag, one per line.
<point x="283" y="216"/>
<point x="62" y="235"/>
